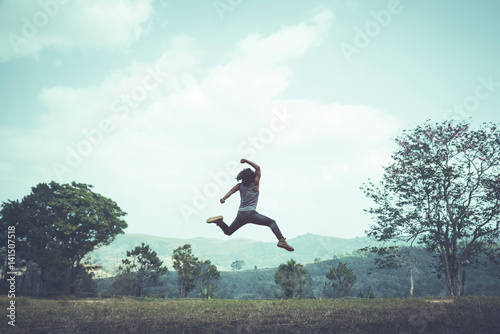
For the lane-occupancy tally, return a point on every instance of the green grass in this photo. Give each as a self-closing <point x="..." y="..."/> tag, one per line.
<point x="126" y="315"/>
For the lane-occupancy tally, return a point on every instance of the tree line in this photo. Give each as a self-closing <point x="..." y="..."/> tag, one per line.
<point x="142" y="270"/>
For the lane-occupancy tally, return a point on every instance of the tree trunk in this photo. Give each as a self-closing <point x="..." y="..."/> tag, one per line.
<point x="138" y="291"/>
<point x="182" y="292"/>
<point x="139" y="282"/>
<point x="451" y="269"/>
<point x="462" y="293"/>
<point x="42" y="284"/>
<point x="4" y="271"/>
<point x="411" y="282"/>
<point x="23" y="282"/>
<point x="74" y="274"/>
<point x="455" y="285"/>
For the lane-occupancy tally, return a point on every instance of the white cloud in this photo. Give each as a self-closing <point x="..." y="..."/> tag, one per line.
<point x="246" y="82"/>
<point x="349" y="125"/>
<point x="125" y="94"/>
<point x="28" y="27"/>
<point x="256" y="72"/>
<point x="287" y="43"/>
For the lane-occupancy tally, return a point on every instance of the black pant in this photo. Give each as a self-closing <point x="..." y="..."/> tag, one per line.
<point x="252" y="217"/>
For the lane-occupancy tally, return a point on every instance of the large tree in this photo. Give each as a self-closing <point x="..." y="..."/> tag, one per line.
<point x="85" y="221"/>
<point x="144" y="267"/>
<point x="186" y="265"/>
<point x="208" y="277"/>
<point x="291" y="278"/>
<point x="442" y="189"/>
<point x="58" y="225"/>
<point x="341" y="279"/>
<point x="40" y="255"/>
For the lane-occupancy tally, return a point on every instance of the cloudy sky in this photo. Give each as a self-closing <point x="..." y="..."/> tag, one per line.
<point x="155" y="102"/>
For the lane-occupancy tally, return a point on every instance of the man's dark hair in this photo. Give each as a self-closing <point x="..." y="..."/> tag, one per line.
<point x="247" y="176"/>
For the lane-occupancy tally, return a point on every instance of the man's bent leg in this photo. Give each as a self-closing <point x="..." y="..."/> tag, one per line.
<point x="238" y="222"/>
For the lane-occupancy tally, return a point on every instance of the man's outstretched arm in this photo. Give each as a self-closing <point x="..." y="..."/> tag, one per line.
<point x="232" y="191"/>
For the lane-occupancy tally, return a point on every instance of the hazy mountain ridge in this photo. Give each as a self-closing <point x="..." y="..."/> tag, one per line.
<point x="222" y="253"/>
<point x="254" y="284"/>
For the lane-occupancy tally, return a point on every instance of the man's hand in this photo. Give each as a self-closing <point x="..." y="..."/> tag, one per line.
<point x="222" y="200"/>
<point x="251" y="163"/>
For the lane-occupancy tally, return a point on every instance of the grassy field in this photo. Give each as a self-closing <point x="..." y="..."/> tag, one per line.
<point x="124" y="315"/>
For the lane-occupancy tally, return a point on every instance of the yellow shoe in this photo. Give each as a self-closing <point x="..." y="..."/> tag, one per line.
<point x="216" y="220"/>
<point x="283" y="244"/>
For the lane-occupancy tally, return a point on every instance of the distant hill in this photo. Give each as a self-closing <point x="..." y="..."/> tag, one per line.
<point x="222" y="253"/>
<point x="316" y="252"/>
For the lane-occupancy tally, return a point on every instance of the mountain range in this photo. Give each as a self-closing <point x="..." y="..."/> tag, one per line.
<point x="222" y="253"/>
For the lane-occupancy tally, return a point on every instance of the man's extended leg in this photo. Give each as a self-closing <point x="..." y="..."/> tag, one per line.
<point x="257" y="218"/>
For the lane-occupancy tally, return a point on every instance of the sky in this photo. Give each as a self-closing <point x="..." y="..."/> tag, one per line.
<point x="154" y="103"/>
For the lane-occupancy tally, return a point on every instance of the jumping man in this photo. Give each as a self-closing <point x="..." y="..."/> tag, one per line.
<point x="249" y="193"/>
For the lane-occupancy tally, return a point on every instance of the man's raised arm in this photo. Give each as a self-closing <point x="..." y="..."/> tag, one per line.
<point x="257" y="172"/>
